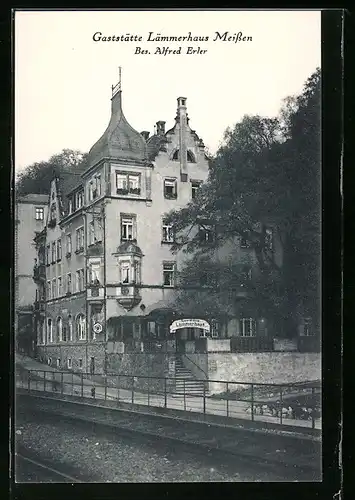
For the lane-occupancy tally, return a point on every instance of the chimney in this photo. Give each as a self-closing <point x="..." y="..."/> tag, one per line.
<point x="160" y="128"/>
<point x="182" y="118"/>
<point x="145" y="135"/>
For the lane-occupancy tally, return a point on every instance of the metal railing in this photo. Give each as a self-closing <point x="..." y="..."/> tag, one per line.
<point x="297" y="404"/>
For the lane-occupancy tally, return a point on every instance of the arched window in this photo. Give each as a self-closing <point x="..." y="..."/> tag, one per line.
<point x="70" y="327"/>
<point x="190" y="157"/>
<point x="43" y="333"/>
<point x="80" y="327"/>
<point x="49" y="330"/>
<point x="59" y="329"/>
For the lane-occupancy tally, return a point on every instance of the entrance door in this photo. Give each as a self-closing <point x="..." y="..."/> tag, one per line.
<point x="92" y="366"/>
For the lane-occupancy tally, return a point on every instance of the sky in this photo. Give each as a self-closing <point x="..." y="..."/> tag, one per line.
<point x="63" y="77"/>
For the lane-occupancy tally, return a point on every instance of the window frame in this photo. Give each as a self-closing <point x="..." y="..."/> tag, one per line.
<point x="59" y="249"/>
<point x="166" y="228"/>
<point x="80" y="327"/>
<point x="68" y="244"/>
<point x="59" y="286"/>
<point x="79" y="239"/>
<point x="126" y="221"/>
<point x="39" y="213"/>
<point x="173" y="275"/>
<point x="252" y="325"/>
<point x="170" y="182"/>
<point x="69" y="363"/>
<point x="126" y="177"/>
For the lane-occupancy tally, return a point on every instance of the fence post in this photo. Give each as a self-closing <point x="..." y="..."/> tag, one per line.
<point x="165" y="394"/>
<point x="118" y="389"/>
<point x="184" y="396"/>
<point x="37" y="382"/>
<point x="29" y="381"/>
<point x="132" y="390"/>
<point x="44" y="381"/>
<point x="204" y="397"/>
<point x="61" y="381"/>
<point x="227" y="399"/>
<point x="252" y="402"/>
<point x="82" y="385"/>
<point x="72" y="384"/>
<point x="148" y="390"/>
<point x="105" y="379"/>
<point x="313" y="409"/>
<point x="281" y="405"/>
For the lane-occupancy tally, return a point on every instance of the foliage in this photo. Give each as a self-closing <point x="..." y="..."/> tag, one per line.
<point x="265" y="174"/>
<point x="36" y="178"/>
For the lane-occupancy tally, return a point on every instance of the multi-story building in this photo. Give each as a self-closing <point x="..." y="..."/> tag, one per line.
<point x="106" y="273"/>
<point x="30" y="216"/>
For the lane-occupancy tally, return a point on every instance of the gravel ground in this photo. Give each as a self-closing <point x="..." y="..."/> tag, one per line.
<point x="122" y="459"/>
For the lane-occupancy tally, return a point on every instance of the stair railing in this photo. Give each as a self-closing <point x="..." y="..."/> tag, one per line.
<point x="193" y="362"/>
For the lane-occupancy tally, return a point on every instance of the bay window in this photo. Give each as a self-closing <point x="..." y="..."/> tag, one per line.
<point x="128" y="183"/>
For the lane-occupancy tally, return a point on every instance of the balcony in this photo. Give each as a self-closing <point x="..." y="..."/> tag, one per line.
<point x="39" y="272"/>
<point x="95" y="249"/>
<point x="128" y="295"/>
<point x="252" y="344"/>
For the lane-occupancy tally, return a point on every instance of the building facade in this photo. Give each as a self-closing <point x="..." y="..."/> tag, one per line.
<point x="30" y="216"/>
<point x="106" y="275"/>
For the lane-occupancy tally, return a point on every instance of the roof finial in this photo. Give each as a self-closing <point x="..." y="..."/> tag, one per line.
<point x="117" y="88"/>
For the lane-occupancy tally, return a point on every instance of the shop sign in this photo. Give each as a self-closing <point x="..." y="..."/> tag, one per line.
<point x="189" y="323"/>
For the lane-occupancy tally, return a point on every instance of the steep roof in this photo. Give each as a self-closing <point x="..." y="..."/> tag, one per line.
<point x="119" y="140"/>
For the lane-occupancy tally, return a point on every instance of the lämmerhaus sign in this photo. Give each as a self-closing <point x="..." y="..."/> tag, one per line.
<point x="189" y="323"/>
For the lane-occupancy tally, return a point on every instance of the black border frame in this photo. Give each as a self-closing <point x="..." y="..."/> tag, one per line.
<point x="332" y="124"/>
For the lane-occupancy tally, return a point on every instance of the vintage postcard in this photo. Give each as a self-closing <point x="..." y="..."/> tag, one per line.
<point x="167" y="246"/>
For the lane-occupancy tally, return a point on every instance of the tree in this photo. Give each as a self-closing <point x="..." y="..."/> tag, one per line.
<point x="36" y="178"/>
<point x="266" y="173"/>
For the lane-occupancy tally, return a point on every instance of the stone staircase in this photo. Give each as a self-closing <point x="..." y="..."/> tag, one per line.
<point x="186" y="381"/>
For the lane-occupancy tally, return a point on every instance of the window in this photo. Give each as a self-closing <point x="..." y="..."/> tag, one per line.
<point x="206" y="234"/>
<point x="54" y="288"/>
<point x="49" y="361"/>
<point x="98" y="229"/>
<point x="60" y="287"/>
<point x="49" y="290"/>
<point x="80" y="363"/>
<point x="168" y="273"/>
<point x="59" y="329"/>
<point x="91" y="189"/>
<point x="39" y="213"/>
<point x="214" y="328"/>
<point x="80" y="282"/>
<point x="69" y="365"/>
<point x="49" y="330"/>
<point x="54" y="253"/>
<point x="70" y="327"/>
<point x="170" y="189"/>
<point x="128" y="183"/>
<point x="125" y="269"/>
<point x="59" y="249"/>
<point x="69" y="247"/>
<point x="137" y="272"/>
<point x="190" y="157"/>
<point x="53" y="212"/>
<point x="95" y="273"/>
<point x="48" y="252"/>
<point x="64" y="334"/>
<point x="79" y="199"/>
<point x="69" y="285"/>
<point x="194" y="188"/>
<point x="80" y="239"/>
<point x="91" y="233"/>
<point x="247" y="327"/>
<point x="128" y="226"/>
<point x="80" y="327"/>
<point x="168" y="233"/>
<point x="70" y="206"/>
<point x="98" y="185"/>
<point x="244" y="243"/>
<point x="58" y="362"/>
<point x="269" y="239"/>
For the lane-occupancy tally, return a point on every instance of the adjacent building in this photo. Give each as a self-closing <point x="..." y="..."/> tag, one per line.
<point x="30" y="217"/>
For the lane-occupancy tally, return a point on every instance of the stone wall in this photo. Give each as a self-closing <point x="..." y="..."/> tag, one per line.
<point x="267" y="368"/>
<point x="142" y="365"/>
<point x="75" y="352"/>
